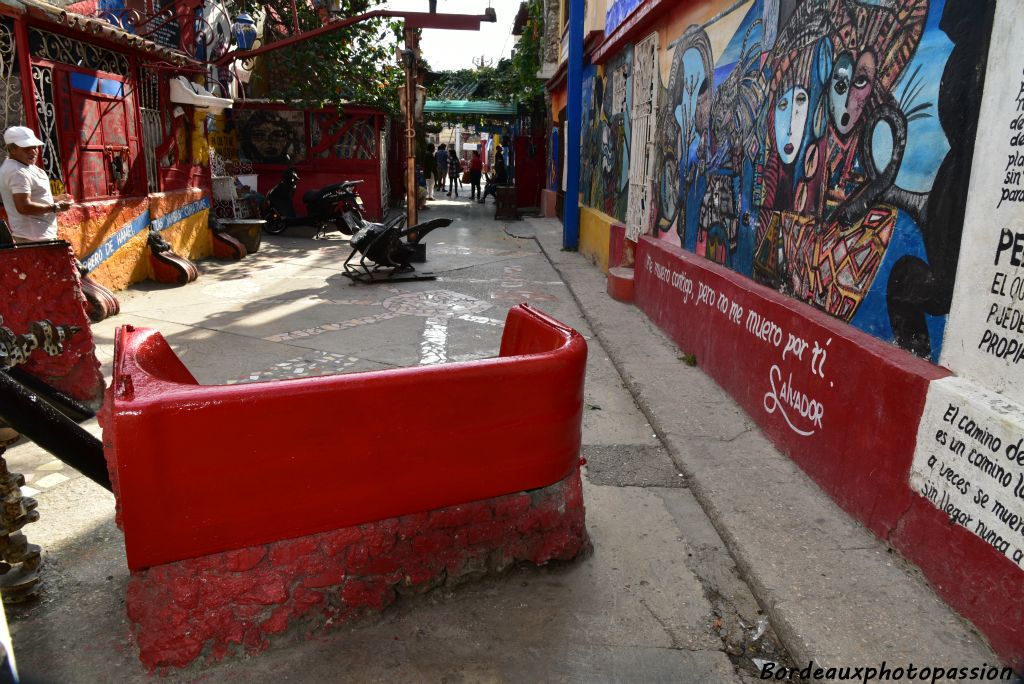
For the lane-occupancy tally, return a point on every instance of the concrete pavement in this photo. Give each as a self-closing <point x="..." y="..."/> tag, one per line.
<point x="662" y="597"/>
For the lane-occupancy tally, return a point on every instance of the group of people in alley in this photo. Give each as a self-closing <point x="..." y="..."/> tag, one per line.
<point x="441" y="170"/>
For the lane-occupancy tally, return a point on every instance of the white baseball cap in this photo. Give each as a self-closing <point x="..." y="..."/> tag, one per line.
<point x="22" y="136"/>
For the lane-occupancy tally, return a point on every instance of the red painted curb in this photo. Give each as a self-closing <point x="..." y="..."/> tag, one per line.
<point x="621" y="284"/>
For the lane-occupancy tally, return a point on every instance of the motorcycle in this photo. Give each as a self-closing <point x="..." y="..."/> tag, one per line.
<point x="338" y="204"/>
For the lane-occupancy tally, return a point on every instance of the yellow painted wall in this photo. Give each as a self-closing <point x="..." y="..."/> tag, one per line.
<point x="90" y="224"/>
<point x="191" y="237"/>
<point x="595" y="229"/>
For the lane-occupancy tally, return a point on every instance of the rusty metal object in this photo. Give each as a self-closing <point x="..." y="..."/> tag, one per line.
<point x="45" y="335"/>
<point x="19" y="560"/>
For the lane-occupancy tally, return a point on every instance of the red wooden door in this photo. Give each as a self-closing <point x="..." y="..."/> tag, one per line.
<point x="531" y="168"/>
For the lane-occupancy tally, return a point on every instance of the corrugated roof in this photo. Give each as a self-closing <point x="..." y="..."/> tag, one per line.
<point x="481" y="107"/>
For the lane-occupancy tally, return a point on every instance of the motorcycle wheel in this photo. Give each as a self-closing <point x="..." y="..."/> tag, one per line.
<point x="275" y="224"/>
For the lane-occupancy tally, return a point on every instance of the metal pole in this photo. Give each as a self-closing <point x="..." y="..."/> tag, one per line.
<point x="571" y="213"/>
<point x="69" y="406"/>
<point x="52" y="430"/>
<point x="410" y="127"/>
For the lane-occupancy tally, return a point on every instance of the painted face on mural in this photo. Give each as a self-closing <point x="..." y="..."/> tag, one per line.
<point x="850" y="89"/>
<point x="790" y="122"/>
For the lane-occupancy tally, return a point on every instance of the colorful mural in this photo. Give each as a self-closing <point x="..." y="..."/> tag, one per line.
<point x="607" y="103"/>
<point x="821" y="147"/>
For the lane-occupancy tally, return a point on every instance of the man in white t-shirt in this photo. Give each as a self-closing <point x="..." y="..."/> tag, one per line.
<point x="25" y="189"/>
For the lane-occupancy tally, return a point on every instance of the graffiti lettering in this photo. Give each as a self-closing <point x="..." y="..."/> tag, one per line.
<point x="993" y="469"/>
<point x="735" y="313"/>
<point x="1008" y="518"/>
<point x="1013" y="242"/>
<point x="1015" y="159"/>
<point x="992" y="537"/>
<point x="1006" y="317"/>
<point x="981" y="498"/>
<point x="1001" y="347"/>
<point x="705" y="294"/>
<point x="958" y="481"/>
<point x="787" y="394"/>
<point x="947" y="468"/>
<point x="818" y="356"/>
<point x="1008" y="195"/>
<point x="795" y="346"/>
<point x="1017" y="289"/>
<point x="763" y="329"/>
<point x="683" y="284"/>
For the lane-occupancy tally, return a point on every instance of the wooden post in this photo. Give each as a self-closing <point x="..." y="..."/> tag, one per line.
<point x="412" y="44"/>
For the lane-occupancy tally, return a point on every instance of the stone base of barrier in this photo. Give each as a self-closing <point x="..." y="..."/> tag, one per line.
<point x="235" y="601"/>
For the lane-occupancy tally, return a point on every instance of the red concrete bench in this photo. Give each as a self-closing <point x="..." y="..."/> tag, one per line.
<point x="200" y="469"/>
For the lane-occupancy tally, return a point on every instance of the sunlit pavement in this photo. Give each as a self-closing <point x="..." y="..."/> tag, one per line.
<point x="287" y="311"/>
<point x="661" y="598"/>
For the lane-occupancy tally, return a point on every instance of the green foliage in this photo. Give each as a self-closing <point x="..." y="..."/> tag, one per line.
<point x="517" y="77"/>
<point x="512" y="80"/>
<point x="464" y="84"/>
<point x="354" y="64"/>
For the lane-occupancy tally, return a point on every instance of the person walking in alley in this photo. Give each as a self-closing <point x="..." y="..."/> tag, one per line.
<point x="500" y="172"/>
<point x="454" y="169"/>
<point x="476" y="167"/>
<point x="430" y="169"/>
<point x="442" y="166"/>
<point x="31" y="207"/>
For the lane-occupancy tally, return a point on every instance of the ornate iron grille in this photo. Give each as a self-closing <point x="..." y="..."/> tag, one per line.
<point x="355" y="143"/>
<point x="46" y="45"/>
<point x="12" y="110"/>
<point x="43" y="79"/>
<point x="152" y="124"/>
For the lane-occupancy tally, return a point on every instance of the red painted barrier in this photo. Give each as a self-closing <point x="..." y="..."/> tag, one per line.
<point x="203" y="469"/>
<point x="845" y="407"/>
<point x="236" y="601"/>
<point x="40" y="281"/>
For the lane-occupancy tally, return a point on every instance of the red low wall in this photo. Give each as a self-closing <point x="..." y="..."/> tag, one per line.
<point x="382" y="443"/>
<point x="39" y="281"/>
<point x="237" y="600"/>
<point x="843" y="405"/>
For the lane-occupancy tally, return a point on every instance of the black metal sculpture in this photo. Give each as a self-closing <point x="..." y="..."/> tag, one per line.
<point x="390" y="249"/>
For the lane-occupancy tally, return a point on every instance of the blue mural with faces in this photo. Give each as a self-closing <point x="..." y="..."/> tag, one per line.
<point x="823" y="148"/>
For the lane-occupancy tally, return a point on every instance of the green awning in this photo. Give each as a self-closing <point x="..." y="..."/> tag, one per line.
<point x="472" y="107"/>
